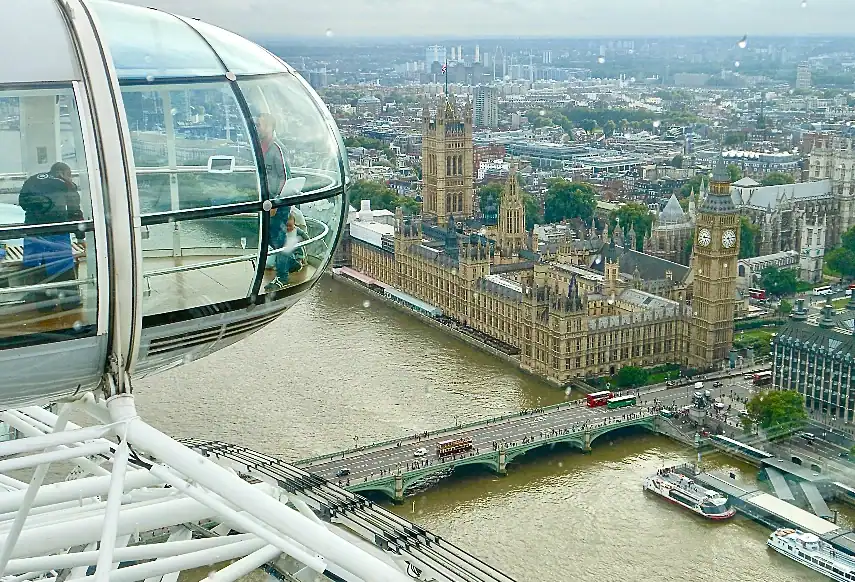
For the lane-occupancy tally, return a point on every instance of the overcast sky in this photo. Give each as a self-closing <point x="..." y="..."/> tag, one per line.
<point x="551" y="18"/>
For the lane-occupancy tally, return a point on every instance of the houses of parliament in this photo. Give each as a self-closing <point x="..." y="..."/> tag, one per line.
<point x="580" y="308"/>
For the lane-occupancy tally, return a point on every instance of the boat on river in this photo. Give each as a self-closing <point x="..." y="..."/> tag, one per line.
<point x="683" y="491"/>
<point x="808" y="550"/>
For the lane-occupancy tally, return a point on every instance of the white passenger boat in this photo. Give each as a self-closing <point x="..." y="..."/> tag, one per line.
<point x="681" y="490"/>
<point x="808" y="550"/>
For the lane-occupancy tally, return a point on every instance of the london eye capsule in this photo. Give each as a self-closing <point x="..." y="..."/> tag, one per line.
<point x="166" y="188"/>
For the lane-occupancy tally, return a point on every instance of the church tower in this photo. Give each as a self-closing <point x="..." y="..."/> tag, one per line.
<point x="716" y="252"/>
<point x="511" y="234"/>
<point x="447" y="162"/>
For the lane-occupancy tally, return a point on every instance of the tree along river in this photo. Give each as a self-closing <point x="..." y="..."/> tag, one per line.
<point x="342" y="367"/>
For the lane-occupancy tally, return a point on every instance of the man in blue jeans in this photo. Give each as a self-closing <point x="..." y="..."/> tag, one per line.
<point x="291" y="258"/>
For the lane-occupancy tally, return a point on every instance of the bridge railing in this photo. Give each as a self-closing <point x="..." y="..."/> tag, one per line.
<point x="449" y="430"/>
<point x="388" y="443"/>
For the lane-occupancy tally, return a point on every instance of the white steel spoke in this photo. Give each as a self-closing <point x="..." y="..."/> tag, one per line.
<point x="131" y="554"/>
<point x="161" y="494"/>
<point x="29" y="496"/>
<point x="240" y="521"/>
<point x="111" y="516"/>
<point x="245" y="565"/>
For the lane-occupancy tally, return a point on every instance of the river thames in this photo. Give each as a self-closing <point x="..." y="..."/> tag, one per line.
<point x="340" y="369"/>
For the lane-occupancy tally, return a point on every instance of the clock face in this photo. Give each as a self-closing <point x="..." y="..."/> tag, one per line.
<point x="728" y="239"/>
<point x="704" y="237"/>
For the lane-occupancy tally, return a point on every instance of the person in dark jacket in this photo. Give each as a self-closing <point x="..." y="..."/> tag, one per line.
<point x="47" y="198"/>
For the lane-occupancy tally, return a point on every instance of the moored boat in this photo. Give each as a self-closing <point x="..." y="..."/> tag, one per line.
<point x="683" y="491"/>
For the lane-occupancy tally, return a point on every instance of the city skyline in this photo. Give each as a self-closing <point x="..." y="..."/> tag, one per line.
<point x="529" y="18"/>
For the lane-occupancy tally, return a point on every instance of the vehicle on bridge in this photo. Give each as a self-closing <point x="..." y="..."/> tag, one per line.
<point x="453" y="446"/>
<point x="681" y="490"/>
<point x="621" y="401"/>
<point x="421" y="452"/>
<point x="598" y="398"/>
<point x="762" y="378"/>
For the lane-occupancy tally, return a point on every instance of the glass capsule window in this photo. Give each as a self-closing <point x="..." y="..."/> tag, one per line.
<point x="239" y="171"/>
<point x="48" y="287"/>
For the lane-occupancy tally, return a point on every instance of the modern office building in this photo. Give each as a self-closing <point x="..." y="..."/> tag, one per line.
<point x="815" y="355"/>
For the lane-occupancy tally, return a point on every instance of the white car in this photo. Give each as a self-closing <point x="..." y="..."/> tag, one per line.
<point x="420" y="452"/>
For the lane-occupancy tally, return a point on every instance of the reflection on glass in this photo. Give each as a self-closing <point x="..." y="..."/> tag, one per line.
<point x="146" y="43"/>
<point x="242" y="57"/>
<point x="304" y="248"/>
<point x="47" y="285"/>
<point x="286" y="116"/>
<point x="51" y="140"/>
<point x="191" y="147"/>
<point x="193" y="263"/>
<point x="47" y="279"/>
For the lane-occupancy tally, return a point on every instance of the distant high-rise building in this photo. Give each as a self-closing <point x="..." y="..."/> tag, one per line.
<point x="547" y="57"/>
<point x="453" y="54"/>
<point x="318" y="79"/>
<point x="486" y="106"/>
<point x="803" y="80"/>
<point x="459" y="52"/>
<point x="434" y="54"/>
<point x="477" y="54"/>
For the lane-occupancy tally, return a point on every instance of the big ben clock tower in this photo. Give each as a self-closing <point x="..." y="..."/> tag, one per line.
<point x="716" y="252"/>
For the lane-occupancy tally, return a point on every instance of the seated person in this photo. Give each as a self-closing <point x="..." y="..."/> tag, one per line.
<point x="49" y="198"/>
<point x="278" y="229"/>
<point x="291" y="258"/>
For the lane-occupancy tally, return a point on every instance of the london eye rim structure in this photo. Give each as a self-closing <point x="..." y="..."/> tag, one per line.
<point x="131" y="478"/>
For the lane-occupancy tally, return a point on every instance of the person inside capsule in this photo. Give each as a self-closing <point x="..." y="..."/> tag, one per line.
<point x="47" y="198"/>
<point x="292" y="258"/>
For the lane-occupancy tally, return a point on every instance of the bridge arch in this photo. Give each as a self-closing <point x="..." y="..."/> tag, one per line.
<point x="574" y="440"/>
<point x="647" y="422"/>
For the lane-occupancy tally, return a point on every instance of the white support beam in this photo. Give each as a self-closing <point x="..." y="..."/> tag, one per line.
<point x="111" y="513"/>
<point x="76" y="489"/>
<point x="181" y="534"/>
<point x="240" y="521"/>
<point x="184" y="562"/>
<point x="64" y="454"/>
<point x="233" y="489"/>
<point x="131" y="554"/>
<point x="245" y="565"/>
<point x="30" y="495"/>
<point x="37" y="443"/>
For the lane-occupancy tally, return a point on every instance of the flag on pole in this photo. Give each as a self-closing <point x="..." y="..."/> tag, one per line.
<point x="444" y="68"/>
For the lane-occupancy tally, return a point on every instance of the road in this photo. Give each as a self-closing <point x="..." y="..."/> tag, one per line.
<point x="373" y="463"/>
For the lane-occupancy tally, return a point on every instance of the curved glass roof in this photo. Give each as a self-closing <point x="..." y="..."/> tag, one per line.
<point x="148" y="44"/>
<point x="39" y="25"/>
<point x="241" y="56"/>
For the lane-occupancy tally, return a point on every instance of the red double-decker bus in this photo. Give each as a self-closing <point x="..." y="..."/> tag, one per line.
<point x="757" y="294"/>
<point x="763" y="378"/>
<point x="599" y="398"/>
